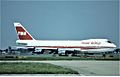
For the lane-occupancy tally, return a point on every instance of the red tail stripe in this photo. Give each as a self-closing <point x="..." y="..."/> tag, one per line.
<point x="23" y="37"/>
<point x="19" y="29"/>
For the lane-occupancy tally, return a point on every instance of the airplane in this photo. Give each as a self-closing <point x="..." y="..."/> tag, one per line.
<point x="89" y="45"/>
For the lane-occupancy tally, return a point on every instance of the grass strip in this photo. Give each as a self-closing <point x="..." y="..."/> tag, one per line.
<point x="53" y="58"/>
<point x="33" y="68"/>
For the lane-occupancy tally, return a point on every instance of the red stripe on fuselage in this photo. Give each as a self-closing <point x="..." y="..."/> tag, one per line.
<point x="84" y="48"/>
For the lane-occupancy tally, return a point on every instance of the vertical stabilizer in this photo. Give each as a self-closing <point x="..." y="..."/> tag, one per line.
<point x="22" y="32"/>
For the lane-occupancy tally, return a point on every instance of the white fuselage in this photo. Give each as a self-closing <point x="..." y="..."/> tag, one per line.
<point x="83" y="45"/>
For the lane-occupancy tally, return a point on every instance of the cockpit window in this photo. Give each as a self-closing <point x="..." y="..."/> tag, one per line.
<point x="109" y="41"/>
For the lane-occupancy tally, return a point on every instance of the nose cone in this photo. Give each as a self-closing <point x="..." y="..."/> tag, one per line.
<point x="114" y="46"/>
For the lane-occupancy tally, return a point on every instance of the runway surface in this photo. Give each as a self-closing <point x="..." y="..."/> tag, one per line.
<point x="87" y="67"/>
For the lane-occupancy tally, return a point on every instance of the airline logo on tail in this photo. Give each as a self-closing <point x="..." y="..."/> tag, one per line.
<point x="22" y="32"/>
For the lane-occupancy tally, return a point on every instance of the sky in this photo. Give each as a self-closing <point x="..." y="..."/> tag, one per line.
<point x="60" y="19"/>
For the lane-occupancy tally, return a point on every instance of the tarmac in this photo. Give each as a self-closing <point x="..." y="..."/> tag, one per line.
<point x="85" y="67"/>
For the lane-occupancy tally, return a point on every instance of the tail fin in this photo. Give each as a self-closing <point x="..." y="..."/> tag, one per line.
<point x="22" y="32"/>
